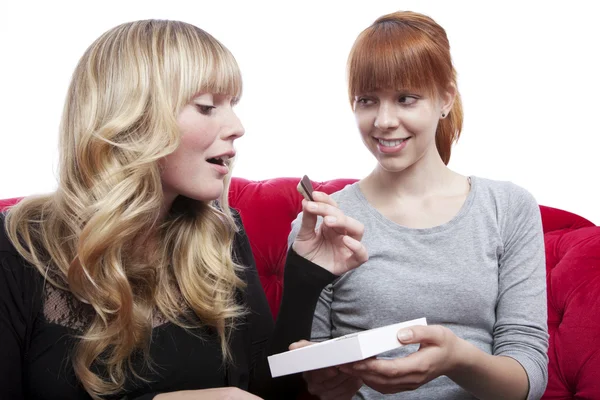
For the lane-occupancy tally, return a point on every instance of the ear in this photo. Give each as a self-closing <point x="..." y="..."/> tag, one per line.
<point x="447" y="99"/>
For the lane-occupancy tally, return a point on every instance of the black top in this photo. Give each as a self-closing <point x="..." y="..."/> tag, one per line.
<point x="35" y="349"/>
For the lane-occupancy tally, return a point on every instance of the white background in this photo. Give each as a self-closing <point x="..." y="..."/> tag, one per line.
<point x="528" y="74"/>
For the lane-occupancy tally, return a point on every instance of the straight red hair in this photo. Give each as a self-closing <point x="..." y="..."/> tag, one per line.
<point x="409" y="51"/>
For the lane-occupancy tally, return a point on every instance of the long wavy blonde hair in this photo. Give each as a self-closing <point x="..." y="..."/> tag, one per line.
<point x="119" y="121"/>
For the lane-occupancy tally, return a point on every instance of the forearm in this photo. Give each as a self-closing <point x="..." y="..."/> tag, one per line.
<point x="487" y="376"/>
<point x="303" y="282"/>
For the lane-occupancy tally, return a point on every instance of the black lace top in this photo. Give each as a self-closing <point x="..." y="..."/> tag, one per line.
<point x="39" y="324"/>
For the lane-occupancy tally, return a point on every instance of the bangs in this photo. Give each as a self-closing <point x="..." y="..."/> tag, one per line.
<point x="389" y="55"/>
<point x="208" y="68"/>
<point x="223" y="75"/>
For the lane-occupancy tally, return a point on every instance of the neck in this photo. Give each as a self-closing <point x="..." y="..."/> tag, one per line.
<point x="168" y="199"/>
<point x="428" y="176"/>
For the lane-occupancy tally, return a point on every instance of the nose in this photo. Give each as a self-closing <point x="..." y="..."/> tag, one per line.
<point x="234" y="129"/>
<point x="387" y="117"/>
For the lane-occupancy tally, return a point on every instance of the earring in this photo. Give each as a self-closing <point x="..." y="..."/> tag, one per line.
<point x="443" y="115"/>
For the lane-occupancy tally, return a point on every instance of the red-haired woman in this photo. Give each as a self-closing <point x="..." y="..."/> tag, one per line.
<point x="467" y="253"/>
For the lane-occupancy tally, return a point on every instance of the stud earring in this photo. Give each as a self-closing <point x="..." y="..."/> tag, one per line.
<point x="443" y="115"/>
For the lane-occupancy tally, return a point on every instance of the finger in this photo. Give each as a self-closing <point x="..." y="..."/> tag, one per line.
<point x="344" y="390"/>
<point x="359" y="250"/>
<point x="322" y="209"/>
<point x="351" y="389"/>
<point x="311" y="210"/>
<point x="430" y="334"/>
<point x="384" y="388"/>
<point x="320" y="375"/>
<point x="382" y="368"/>
<point x="345" y="225"/>
<point x="299" y="344"/>
<point x="348" y="389"/>
<point x="327" y="387"/>
<point x="387" y="386"/>
<point x="333" y="217"/>
<point x="324" y="198"/>
<point x="309" y="220"/>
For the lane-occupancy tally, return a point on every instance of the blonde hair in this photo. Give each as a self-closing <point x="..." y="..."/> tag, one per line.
<point x="407" y="50"/>
<point x="119" y="121"/>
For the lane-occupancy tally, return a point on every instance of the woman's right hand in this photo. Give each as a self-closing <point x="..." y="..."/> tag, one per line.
<point x="336" y="244"/>
<point x="226" y="393"/>
<point x="329" y="383"/>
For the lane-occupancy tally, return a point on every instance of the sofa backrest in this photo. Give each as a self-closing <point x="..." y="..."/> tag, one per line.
<point x="572" y="244"/>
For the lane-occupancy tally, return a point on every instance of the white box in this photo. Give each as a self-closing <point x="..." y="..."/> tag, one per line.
<point x="342" y="350"/>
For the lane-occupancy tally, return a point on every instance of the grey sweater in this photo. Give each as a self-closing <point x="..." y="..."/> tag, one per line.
<point x="482" y="275"/>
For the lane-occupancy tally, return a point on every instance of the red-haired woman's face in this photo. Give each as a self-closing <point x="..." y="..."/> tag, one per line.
<point x="398" y="127"/>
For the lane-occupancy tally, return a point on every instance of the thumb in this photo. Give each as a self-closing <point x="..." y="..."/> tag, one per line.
<point x="419" y="334"/>
<point x="300" y="344"/>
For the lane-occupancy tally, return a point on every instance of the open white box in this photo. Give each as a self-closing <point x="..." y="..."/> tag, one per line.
<point x="342" y="350"/>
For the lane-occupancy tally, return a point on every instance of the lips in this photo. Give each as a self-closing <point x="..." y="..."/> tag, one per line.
<point x="222" y="159"/>
<point x="392" y="142"/>
<point x="390" y="146"/>
<point x="217" y="160"/>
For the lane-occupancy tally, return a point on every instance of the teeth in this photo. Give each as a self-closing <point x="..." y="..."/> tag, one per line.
<point x="390" y="143"/>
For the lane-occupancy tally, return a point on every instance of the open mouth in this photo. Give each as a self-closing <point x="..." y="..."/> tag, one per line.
<point x="217" y="161"/>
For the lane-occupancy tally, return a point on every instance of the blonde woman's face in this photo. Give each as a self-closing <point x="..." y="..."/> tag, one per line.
<point x="197" y="169"/>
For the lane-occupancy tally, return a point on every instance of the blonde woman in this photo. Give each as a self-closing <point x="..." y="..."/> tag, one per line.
<point x="465" y="252"/>
<point x="135" y="279"/>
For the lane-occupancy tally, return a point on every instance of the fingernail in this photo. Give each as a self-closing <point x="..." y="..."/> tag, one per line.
<point x="359" y="367"/>
<point x="330" y="220"/>
<point x="404" y="335"/>
<point x="312" y="206"/>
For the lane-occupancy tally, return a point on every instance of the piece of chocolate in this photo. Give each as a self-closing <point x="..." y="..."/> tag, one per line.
<point x="305" y="188"/>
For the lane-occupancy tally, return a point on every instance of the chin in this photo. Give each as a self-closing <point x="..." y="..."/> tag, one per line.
<point x="210" y="193"/>
<point x="394" y="165"/>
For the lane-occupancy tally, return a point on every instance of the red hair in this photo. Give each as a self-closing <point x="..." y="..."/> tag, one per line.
<point x="407" y="50"/>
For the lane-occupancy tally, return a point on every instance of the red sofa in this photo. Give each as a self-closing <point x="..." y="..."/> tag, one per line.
<point x="573" y="275"/>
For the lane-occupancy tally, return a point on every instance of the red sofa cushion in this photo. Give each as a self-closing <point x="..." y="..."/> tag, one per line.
<point x="572" y="243"/>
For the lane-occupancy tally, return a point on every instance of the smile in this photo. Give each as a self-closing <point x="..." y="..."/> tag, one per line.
<point x="391" y="146"/>
<point x="392" y="143"/>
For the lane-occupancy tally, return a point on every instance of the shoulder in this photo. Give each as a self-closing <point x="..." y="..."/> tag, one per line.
<point x="515" y="208"/>
<point x="507" y="197"/>
<point x="240" y="236"/>
<point x="505" y="191"/>
<point x="241" y="248"/>
<point x="17" y="276"/>
<point x="6" y="246"/>
<point x="347" y="194"/>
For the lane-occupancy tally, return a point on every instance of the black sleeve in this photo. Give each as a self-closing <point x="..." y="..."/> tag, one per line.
<point x="303" y="282"/>
<point x="12" y="329"/>
<point x="17" y="286"/>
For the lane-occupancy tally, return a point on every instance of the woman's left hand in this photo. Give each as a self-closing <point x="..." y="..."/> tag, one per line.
<point x="437" y="355"/>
